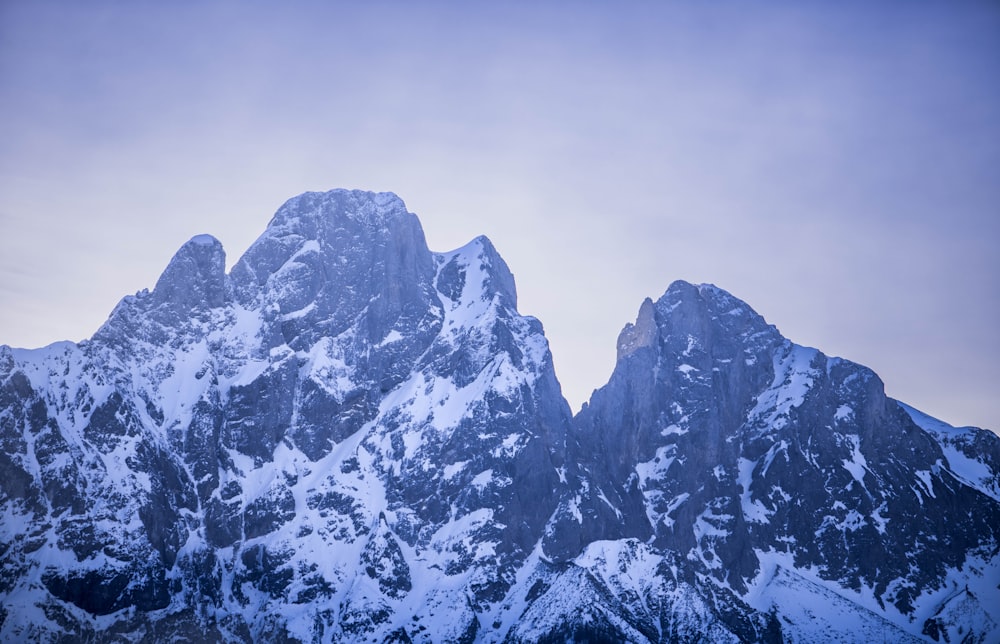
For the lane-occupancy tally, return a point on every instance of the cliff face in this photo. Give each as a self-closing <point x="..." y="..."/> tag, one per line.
<point x="756" y="459"/>
<point x="351" y="437"/>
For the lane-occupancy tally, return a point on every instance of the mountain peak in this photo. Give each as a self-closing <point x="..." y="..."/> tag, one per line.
<point x="703" y="295"/>
<point x="497" y="276"/>
<point x="326" y="257"/>
<point x="350" y="438"/>
<point x="333" y="207"/>
<point x="639" y="335"/>
<point x="707" y="314"/>
<point x="195" y="274"/>
<point x="204" y="240"/>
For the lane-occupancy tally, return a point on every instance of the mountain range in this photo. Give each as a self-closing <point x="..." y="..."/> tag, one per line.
<point x="349" y="437"/>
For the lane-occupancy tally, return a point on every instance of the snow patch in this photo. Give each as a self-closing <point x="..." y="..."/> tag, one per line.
<point x="794" y="377"/>
<point x="857" y="465"/>
<point x="754" y="510"/>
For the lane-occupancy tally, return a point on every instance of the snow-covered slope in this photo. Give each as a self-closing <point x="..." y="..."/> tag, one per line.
<point x="349" y="437"/>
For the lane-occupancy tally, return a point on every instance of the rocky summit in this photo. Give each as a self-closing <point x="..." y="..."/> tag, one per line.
<point x="349" y="437"/>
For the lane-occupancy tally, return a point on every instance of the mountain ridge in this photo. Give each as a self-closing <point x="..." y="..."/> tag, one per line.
<point x="350" y="436"/>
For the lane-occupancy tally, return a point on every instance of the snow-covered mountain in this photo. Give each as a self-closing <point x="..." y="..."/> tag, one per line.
<point x="787" y="481"/>
<point x="351" y="438"/>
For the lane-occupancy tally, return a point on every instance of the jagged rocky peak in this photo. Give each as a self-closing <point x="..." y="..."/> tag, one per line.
<point x="350" y="437"/>
<point x="640" y="335"/>
<point x="695" y="338"/>
<point x="195" y="277"/>
<point x="326" y="260"/>
<point x="696" y="326"/>
<point x="327" y="257"/>
<point x="499" y="279"/>
<point x="747" y="451"/>
<point x="482" y="257"/>
<point x="707" y="319"/>
<point x="343" y="391"/>
<point x="193" y="284"/>
<point x="688" y="371"/>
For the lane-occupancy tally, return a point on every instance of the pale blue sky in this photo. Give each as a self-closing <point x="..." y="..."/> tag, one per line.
<point x="836" y="165"/>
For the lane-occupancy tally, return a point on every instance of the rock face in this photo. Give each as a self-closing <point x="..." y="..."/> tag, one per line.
<point x="767" y="466"/>
<point x="349" y="437"/>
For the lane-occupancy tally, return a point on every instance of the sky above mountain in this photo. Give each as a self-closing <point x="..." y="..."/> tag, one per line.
<point x="836" y="166"/>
